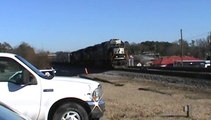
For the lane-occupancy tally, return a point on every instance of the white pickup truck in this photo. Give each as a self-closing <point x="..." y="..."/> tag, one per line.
<point x="41" y="97"/>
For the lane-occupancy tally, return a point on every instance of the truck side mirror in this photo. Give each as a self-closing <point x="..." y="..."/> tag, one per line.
<point x="27" y="78"/>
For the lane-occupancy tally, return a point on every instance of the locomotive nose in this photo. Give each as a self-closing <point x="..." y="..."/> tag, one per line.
<point x="119" y="50"/>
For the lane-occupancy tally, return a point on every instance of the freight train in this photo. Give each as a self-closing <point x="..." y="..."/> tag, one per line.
<point x="107" y="54"/>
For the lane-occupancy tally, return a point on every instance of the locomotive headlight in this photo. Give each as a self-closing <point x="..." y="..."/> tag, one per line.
<point x="97" y="94"/>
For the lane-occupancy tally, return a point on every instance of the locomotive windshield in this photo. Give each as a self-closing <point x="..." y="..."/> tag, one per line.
<point x="116" y="43"/>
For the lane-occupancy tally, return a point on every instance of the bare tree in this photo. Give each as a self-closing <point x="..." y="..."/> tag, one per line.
<point x="5" y="47"/>
<point x="39" y="59"/>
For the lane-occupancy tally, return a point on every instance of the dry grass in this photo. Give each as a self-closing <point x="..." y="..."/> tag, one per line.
<point x="146" y="100"/>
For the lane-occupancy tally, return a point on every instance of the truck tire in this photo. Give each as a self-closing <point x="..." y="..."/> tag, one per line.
<point x="70" y="111"/>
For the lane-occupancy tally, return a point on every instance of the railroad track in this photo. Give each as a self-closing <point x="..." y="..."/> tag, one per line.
<point x="192" y="78"/>
<point x="199" y="73"/>
<point x="179" y="78"/>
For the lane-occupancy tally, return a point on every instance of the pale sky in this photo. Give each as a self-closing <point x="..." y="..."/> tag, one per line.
<point x="68" y="25"/>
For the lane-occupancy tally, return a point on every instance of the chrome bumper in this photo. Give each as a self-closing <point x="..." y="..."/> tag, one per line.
<point x="97" y="108"/>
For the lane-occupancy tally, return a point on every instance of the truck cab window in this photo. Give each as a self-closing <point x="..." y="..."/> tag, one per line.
<point x="11" y="71"/>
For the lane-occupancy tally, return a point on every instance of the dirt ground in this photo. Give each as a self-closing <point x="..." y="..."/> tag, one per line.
<point x="140" y="99"/>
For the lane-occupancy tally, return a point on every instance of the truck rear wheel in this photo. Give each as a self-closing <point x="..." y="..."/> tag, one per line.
<point x="70" y="111"/>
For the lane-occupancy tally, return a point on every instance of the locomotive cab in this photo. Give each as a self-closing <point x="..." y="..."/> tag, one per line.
<point x="118" y="57"/>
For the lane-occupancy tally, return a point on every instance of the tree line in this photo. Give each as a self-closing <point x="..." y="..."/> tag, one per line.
<point x="38" y="58"/>
<point x="199" y="48"/>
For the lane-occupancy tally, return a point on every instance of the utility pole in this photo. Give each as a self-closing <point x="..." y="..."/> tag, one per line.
<point x="209" y="39"/>
<point x="181" y="45"/>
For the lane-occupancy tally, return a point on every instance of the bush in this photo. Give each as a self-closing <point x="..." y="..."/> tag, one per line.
<point x="39" y="59"/>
